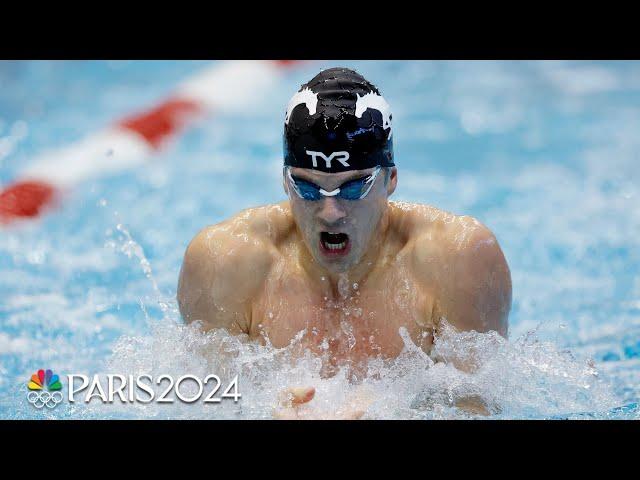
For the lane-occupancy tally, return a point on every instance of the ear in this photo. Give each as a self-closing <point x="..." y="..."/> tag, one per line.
<point x="393" y="181"/>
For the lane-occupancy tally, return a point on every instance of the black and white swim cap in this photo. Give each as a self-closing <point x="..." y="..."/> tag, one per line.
<point x="336" y="122"/>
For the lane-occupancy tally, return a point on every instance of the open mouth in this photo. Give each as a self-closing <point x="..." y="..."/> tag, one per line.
<point x="334" y="243"/>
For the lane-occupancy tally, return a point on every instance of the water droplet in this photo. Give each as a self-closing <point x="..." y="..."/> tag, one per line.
<point x="343" y="286"/>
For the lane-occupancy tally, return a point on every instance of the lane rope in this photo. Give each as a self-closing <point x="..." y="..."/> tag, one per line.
<point x="230" y="87"/>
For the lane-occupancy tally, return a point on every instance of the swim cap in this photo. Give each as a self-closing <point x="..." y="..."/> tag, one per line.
<point x="336" y="122"/>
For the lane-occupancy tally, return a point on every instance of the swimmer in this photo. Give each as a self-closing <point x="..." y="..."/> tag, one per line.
<point x="338" y="264"/>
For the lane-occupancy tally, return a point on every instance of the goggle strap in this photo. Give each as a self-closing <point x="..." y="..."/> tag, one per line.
<point x="370" y="181"/>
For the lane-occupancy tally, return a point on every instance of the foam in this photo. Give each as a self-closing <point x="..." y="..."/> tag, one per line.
<point x="514" y="379"/>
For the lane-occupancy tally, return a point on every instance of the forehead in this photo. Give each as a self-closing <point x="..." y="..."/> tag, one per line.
<point x="318" y="177"/>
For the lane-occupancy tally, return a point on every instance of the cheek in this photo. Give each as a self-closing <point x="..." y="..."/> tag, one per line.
<point x="300" y="209"/>
<point x="366" y="217"/>
<point x="366" y="210"/>
<point x="303" y="214"/>
<point x="360" y="219"/>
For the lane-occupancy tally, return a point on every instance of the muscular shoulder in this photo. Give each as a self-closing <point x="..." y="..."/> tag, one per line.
<point x="452" y="235"/>
<point x="238" y="243"/>
<point x="225" y="265"/>
<point x="460" y="258"/>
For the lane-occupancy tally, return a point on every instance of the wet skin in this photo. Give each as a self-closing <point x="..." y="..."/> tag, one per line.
<point x="265" y="273"/>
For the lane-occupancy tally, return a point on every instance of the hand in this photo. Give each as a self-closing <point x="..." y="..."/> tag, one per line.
<point x="294" y="405"/>
<point x="473" y="404"/>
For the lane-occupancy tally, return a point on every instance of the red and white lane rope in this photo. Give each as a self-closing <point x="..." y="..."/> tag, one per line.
<point x="225" y="87"/>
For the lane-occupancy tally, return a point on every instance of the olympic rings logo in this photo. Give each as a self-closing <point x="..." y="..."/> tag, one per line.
<point x="41" y="399"/>
<point x="38" y="396"/>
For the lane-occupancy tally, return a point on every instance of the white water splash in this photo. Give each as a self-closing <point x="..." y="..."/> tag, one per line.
<point x="512" y="379"/>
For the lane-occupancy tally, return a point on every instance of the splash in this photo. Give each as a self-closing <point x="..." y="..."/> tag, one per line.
<point x="473" y="375"/>
<point x="125" y="243"/>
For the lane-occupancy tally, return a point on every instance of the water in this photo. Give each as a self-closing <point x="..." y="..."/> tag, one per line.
<point x="544" y="153"/>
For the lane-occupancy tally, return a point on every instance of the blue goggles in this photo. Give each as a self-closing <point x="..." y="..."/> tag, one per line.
<point x="352" y="190"/>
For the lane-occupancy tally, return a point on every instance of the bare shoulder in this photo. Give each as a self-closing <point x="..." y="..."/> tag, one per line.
<point x="435" y="235"/>
<point x="461" y="259"/>
<point x="243" y="241"/>
<point x="226" y="264"/>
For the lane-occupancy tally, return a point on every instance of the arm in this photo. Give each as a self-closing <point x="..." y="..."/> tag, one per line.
<point x="223" y="269"/>
<point x="470" y="275"/>
<point x="477" y="293"/>
<point x="467" y="270"/>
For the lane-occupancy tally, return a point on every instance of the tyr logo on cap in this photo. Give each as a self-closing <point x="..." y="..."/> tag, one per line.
<point x="342" y="157"/>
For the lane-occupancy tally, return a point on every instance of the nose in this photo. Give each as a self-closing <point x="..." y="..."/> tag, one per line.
<point x="331" y="212"/>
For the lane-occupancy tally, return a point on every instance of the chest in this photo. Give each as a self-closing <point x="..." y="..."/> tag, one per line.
<point x="359" y="322"/>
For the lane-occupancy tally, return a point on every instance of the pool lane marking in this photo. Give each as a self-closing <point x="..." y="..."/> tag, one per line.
<point x="227" y="87"/>
<point x="161" y="122"/>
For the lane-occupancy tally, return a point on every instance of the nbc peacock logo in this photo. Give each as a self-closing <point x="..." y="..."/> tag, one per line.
<point x="44" y="389"/>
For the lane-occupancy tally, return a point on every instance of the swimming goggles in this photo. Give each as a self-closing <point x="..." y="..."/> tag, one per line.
<point x="352" y="190"/>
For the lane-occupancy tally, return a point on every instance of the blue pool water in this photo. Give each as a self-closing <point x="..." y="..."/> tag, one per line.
<point x="544" y="153"/>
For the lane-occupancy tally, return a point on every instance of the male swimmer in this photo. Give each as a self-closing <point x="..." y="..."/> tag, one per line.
<point x="338" y="264"/>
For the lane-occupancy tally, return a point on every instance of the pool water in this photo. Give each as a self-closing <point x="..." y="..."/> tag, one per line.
<point x="543" y="153"/>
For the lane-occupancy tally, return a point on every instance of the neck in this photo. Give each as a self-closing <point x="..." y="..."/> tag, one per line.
<point x="340" y="285"/>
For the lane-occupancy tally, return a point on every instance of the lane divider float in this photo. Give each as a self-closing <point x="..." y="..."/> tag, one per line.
<point x="230" y="86"/>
